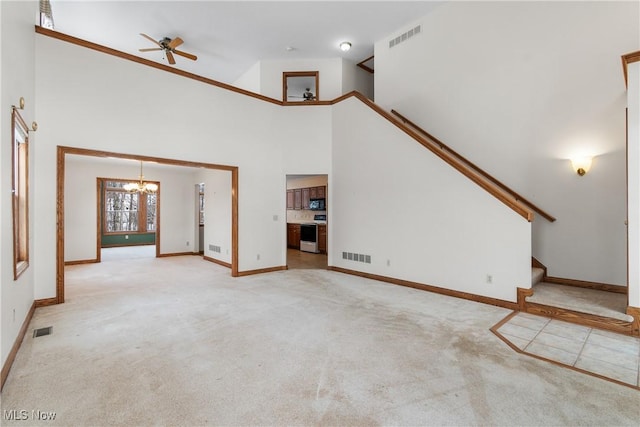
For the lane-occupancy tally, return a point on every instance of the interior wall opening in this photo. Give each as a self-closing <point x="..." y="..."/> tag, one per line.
<point x="307" y="225"/>
<point x="67" y="189"/>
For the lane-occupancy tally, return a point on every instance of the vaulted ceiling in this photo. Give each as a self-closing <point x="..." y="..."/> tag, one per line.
<point x="230" y="36"/>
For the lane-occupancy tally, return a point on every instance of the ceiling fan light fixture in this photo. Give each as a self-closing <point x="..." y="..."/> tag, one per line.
<point x="345" y="46"/>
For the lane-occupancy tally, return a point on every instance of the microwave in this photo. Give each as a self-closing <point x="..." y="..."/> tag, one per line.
<point x="317" y="205"/>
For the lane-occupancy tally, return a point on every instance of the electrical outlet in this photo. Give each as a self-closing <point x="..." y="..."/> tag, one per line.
<point x="126" y="237"/>
<point x="258" y="257"/>
<point x="388" y="263"/>
<point x="187" y="243"/>
<point x="489" y="278"/>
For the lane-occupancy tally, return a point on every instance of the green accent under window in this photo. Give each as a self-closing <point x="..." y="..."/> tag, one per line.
<point x="134" y="239"/>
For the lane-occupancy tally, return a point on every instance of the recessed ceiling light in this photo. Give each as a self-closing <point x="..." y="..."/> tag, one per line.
<point x="345" y="46"/>
<point x="289" y="48"/>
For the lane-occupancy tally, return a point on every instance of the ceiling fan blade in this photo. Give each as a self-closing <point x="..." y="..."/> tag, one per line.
<point x="175" y="42"/>
<point x="185" y="54"/>
<point x="170" y="57"/>
<point x="150" y="49"/>
<point x="151" y="39"/>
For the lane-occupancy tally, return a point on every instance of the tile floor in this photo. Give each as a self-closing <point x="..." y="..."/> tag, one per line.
<point x="595" y="351"/>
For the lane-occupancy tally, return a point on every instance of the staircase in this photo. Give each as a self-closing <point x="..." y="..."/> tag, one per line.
<point x="619" y="322"/>
<point x="537" y="274"/>
<point x="628" y="324"/>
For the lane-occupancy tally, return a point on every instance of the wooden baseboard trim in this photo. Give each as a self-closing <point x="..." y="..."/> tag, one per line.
<point x="261" y="270"/>
<point x="589" y="285"/>
<point x="46" y="302"/>
<point x="523" y="293"/>
<point x="176" y="254"/>
<point x="125" y="245"/>
<point x="635" y="313"/>
<point x="579" y="318"/>
<point x="81" y="261"/>
<point x="430" y="288"/>
<point x="216" y="261"/>
<point x="16" y="346"/>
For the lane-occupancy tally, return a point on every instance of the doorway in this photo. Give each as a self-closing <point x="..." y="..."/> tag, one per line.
<point x="307" y="224"/>
<point x="64" y="153"/>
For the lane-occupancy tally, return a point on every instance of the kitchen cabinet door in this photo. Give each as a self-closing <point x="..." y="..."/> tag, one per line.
<point x="305" y="198"/>
<point x="289" y="199"/>
<point x="313" y="192"/>
<point x="322" y="238"/>
<point x="297" y="199"/>
<point x="322" y="192"/>
<point x="293" y="236"/>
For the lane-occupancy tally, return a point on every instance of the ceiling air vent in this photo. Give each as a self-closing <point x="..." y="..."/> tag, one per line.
<point x="405" y="36"/>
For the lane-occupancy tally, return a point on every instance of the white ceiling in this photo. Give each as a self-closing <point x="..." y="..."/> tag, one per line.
<point x="230" y="36"/>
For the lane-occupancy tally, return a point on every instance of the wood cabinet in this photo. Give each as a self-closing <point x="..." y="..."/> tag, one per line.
<point x="293" y="236"/>
<point x="305" y="198"/>
<point x="290" y="199"/>
<point x="299" y="198"/>
<point x="322" y="238"/>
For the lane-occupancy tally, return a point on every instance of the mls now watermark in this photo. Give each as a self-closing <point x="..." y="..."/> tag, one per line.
<point x="24" y="415"/>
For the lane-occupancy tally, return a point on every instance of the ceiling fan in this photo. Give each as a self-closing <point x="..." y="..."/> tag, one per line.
<point x="169" y="47"/>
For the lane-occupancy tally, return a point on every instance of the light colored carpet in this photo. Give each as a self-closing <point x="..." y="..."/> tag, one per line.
<point x="601" y="303"/>
<point x="177" y="341"/>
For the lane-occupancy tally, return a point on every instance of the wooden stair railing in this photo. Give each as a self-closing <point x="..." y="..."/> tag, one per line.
<point x="517" y="197"/>
<point x="516" y="205"/>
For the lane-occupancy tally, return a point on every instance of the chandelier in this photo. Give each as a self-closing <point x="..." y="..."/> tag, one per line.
<point x="140" y="186"/>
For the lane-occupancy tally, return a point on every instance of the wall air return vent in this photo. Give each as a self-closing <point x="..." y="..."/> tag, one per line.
<point x="356" y="257"/>
<point x="405" y="36"/>
<point x="41" y="332"/>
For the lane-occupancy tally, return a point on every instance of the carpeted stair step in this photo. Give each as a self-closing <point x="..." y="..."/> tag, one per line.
<point x="536" y="275"/>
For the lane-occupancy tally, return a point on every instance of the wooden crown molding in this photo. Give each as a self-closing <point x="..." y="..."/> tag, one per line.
<point x="109" y="51"/>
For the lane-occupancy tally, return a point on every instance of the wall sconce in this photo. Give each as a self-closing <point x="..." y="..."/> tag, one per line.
<point x="581" y="165"/>
<point x="34" y="126"/>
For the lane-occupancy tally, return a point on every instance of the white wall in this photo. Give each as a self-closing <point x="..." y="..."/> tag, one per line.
<point x="250" y="80"/>
<point x="355" y="78"/>
<point x="330" y="76"/>
<point x="217" y="214"/>
<point x="176" y="203"/>
<point x="518" y="88"/>
<point x="17" y="61"/>
<point x="90" y="100"/>
<point x="425" y="221"/>
<point x="633" y="91"/>
<point x="177" y="207"/>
